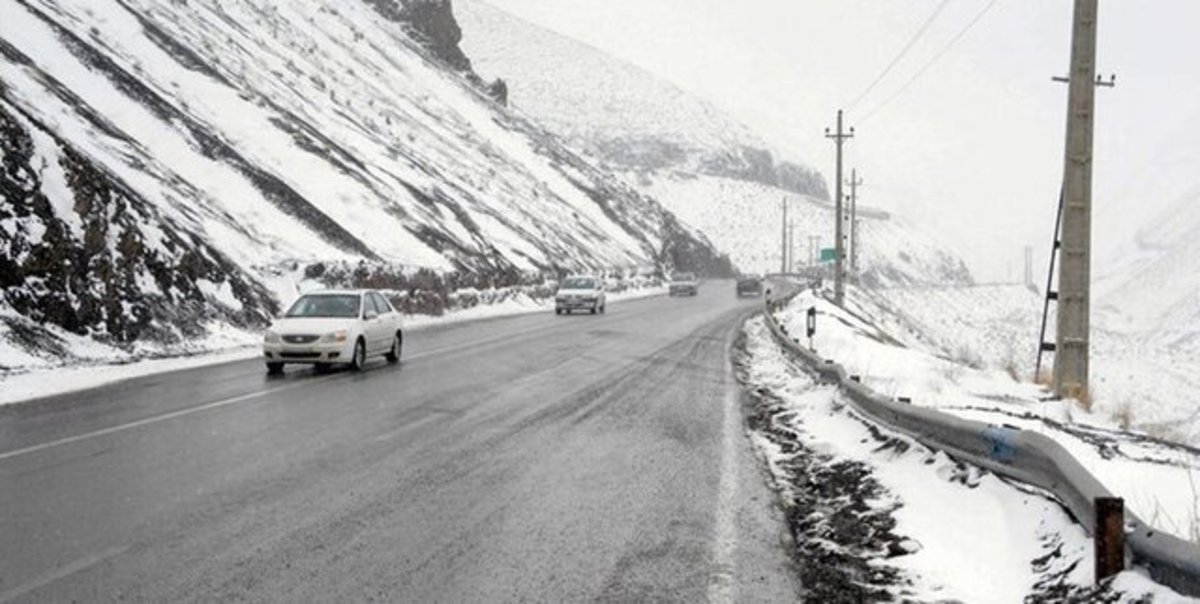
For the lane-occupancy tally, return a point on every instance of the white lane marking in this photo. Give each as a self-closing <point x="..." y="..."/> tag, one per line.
<point x="242" y="398"/>
<point x="60" y="573"/>
<point x="721" y="587"/>
<point x="149" y="420"/>
<point x="390" y="434"/>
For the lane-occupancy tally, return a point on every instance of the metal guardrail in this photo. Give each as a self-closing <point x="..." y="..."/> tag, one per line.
<point x="1027" y="457"/>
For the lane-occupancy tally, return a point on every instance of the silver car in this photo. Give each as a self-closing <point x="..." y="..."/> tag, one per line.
<point x="580" y="292"/>
<point x="683" y="284"/>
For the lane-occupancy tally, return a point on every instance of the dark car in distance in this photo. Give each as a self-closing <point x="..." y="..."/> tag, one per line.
<point x="749" y="286"/>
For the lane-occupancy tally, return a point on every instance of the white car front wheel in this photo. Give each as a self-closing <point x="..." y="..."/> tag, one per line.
<point x="359" y="360"/>
<point x="393" y="355"/>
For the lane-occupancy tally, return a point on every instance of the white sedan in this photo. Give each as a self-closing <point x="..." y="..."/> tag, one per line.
<point x="580" y="293"/>
<point x="334" y="328"/>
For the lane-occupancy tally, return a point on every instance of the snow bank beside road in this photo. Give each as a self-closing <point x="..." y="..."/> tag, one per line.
<point x="40" y="379"/>
<point x="877" y="516"/>
<point x="1159" y="480"/>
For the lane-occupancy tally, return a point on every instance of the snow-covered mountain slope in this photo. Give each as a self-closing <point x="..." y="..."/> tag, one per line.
<point x="164" y="162"/>
<point x="616" y="111"/>
<point x="709" y="170"/>
<point x="744" y="219"/>
<point x="1153" y="290"/>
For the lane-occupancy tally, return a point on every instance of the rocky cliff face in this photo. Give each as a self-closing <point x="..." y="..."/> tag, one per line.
<point x="99" y="260"/>
<point x="618" y="113"/>
<point x="432" y="24"/>
<point x="753" y="164"/>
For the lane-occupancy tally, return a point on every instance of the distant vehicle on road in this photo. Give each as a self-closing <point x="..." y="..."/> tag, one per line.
<point x="334" y="327"/>
<point x="683" y="284"/>
<point x="749" y="286"/>
<point x="580" y="292"/>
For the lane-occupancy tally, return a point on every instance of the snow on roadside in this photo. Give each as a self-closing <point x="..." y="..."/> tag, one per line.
<point x="936" y="547"/>
<point x="45" y="382"/>
<point x="1159" y="480"/>
<point x="913" y="524"/>
<point x="224" y="345"/>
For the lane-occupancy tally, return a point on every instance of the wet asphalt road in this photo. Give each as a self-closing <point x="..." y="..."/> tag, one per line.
<point x="533" y="458"/>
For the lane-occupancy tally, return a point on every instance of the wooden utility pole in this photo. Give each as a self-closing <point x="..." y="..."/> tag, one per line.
<point x="839" y="237"/>
<point x="854" y="182"/>
<point x="1074" y="275"/>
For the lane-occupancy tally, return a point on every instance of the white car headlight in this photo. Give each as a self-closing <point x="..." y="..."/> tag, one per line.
<point x="337" y="336"/>
<point x="270" y="337"/>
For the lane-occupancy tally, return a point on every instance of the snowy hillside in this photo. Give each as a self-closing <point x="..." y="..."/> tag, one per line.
<point x="615" y="111"/>
<point x="710" y="171"/>
<point x="744" y="220"/>
<point x="1153" y="291"/>
<point x="166" y="164"/>
<point x="895" y="359"/>
<point x="1136" y="383"/>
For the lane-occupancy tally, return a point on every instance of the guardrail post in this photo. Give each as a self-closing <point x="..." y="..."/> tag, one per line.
<point x="1109" y="537"/>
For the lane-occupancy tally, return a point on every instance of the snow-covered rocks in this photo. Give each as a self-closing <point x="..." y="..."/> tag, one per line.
<point x="219" y="140"/>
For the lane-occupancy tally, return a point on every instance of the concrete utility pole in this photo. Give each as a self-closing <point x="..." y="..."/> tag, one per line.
<point x="839" y="238"/>
<point x="791" y="263"/>
<point x="1071" y="363"/>
<point x="783" y="242"/>
<point x="1074" y="275"/>
<point x="854" y="182"/>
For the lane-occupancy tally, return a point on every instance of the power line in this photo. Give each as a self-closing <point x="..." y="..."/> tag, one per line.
<point x="903" y="51"/>
<point x="920" y="72"/>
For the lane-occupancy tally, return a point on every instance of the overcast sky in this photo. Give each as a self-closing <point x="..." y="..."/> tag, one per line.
<point x="974" y="146"/>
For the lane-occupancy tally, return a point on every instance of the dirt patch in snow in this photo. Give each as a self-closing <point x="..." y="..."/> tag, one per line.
<point x="839" y="516"/>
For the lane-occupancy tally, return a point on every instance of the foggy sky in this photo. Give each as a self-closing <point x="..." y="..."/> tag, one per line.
<point x="974" y="147"/>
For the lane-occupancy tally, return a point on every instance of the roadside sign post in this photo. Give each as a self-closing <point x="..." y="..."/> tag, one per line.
<point x="812" y="326"/>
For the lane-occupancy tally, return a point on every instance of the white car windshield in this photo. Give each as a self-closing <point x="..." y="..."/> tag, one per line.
<point x="683" y="277"/>
<point x="328" y="305"/>
<point x="579" y="283"/>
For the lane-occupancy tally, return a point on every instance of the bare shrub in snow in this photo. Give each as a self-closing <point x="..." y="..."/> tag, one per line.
<point x="1085" y="399"/>
<point x="965" y="355"/>
<point x="1123" y="415"/>
<point x="1012" y="369"/>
